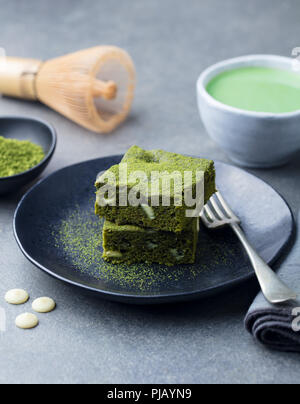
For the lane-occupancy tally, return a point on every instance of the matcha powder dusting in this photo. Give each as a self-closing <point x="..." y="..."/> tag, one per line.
<point x="18" y="156"/>
<point x="78" y="238"/>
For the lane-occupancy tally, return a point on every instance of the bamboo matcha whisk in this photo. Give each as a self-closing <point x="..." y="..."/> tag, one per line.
<point x="92" y="87"/>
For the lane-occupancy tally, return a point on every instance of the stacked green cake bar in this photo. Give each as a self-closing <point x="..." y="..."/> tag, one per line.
<point x="131" y="244"/>
<point x="144" y="231"/>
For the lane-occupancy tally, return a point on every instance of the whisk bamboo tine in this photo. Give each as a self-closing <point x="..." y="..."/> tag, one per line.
<point x="64" y="84"/>
<point x="107" y="90"/>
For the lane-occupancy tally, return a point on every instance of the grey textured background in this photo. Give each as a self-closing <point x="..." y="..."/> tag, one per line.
<point x="171" y="41"/>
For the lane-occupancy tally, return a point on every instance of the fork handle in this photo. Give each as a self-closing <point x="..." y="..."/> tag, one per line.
<point x="274" y="290"/>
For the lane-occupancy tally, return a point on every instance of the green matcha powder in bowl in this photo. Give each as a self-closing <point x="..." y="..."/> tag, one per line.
<point x="26" y="148"/>
<point x="18" y="156"/>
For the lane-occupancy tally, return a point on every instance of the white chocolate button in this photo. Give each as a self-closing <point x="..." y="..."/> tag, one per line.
<point x="43" y="305"/>
<point x="16" y="296"/>
<point x="27" y="321"/>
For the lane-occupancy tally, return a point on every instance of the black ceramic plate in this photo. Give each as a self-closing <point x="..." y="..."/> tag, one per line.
<point x="57" y="230"/>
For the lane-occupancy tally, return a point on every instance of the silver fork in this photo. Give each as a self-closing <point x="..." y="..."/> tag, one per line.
<point x="216" y="214"/>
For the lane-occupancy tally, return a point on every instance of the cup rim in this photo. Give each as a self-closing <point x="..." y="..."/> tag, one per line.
<point x="251" y="60"/>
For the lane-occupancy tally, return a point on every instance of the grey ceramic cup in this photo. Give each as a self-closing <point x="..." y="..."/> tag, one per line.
<point x="250" y="139"/>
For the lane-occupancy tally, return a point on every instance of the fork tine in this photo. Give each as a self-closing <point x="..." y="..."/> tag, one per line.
<point x="209" y="213"/>
<point x="217" y="209"/>
<point x="224" y="205"/>
<point x="204" y="219"/>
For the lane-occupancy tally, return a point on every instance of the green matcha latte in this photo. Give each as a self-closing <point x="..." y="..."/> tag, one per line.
<point x="259" y="89"/>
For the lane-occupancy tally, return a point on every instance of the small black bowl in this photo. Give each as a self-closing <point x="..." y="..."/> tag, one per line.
<point x="38" y="132"/>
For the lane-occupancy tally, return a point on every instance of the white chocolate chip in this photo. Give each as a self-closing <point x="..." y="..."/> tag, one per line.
<point x="151" y="246"/>
<point x="43" y="305"/>
<point x="16" y="296"/>
<point x="179" y="255"/>
<point x="27" y="321"/>
<point x="113" y="254"/>
<point x="148" y="211"/>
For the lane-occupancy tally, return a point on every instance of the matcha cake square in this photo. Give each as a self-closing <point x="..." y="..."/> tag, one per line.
<point x="170" y="217"/>
<point x="131" y="244"/>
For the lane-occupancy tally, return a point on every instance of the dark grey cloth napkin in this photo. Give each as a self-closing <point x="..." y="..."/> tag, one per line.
<point x="276" y="326"/>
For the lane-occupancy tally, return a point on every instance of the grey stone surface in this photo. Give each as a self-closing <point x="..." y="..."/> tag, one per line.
<point x="87" y="340"/>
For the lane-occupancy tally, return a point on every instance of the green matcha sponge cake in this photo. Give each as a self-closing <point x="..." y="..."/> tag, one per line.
<point x="131" y="244"/>
<point x="171" y="218"/>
